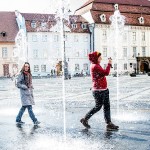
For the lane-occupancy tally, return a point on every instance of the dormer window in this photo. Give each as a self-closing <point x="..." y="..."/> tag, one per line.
<point x="103" y="18"/>
<point x="43" y="24"/>
<point x="84" y="26"/>
<point x="3" y="33"/>
<point x="74" y="26"/>
<point x="141" y="20"/>
<point x="116" y="6"/>
<point x="33" y="24"/>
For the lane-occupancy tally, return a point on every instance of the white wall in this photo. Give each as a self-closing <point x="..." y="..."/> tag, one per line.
<point x="54" y="54"/>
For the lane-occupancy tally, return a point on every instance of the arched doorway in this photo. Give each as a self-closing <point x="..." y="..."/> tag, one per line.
<point x="144" y="66"/>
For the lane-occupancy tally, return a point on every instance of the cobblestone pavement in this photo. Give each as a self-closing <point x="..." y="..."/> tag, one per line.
<point x="130" y="112"/>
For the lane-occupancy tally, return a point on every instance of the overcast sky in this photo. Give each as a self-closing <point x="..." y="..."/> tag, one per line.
<point x="36" y="6"/>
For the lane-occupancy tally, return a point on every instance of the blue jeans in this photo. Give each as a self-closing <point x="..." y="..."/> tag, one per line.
<point x="22" y="110"/>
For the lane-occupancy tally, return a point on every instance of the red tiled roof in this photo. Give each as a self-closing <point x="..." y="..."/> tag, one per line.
<point x="50" y="20"/>
<point x="126" y="2"/>
<point x="130" y="18"/>
<point x="9" y="25"/>
<point x="132" y="9"/>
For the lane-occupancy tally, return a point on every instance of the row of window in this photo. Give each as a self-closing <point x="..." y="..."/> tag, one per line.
<point x="44" y="24"/>
<point x="77" y="67"/>
<point x="124" y="65"/>
<point x="77" y="54"/>
<point x="43" y="68"/>
<point x="134" y="36"/>
<point x="45" y="53"/>
<point x="56" y="38"/>
<point x="125" y="51"/>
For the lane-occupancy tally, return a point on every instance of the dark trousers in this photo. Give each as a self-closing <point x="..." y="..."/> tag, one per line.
<point x="101" y="99"/>
<point x="30" y="111"/>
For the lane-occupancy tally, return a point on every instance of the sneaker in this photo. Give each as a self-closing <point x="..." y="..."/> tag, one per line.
<point x="85" y="123"/>
<point x="37" y="122"/>
<point x="111" y="127"/>
<point x="20" y="122"/>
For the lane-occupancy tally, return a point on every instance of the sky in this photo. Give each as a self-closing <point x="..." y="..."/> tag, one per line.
<point x="36" y="6"/>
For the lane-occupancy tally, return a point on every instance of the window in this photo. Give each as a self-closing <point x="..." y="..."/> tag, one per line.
<point x="104" y="35"/>
<point x="56" y="38"/>
<point x="76" y="67"/>
<point x="15" y="68"/>
<point x="45" y="53"/>
<point x="134" y="51"/>
<point x="36" y="68"/>
<point x="84" y="26"/>
<point x="43" y="24"/>
<point x="134" y="36"/>
<point x="77" y="53"/>
<point x="4" y="52"/>
<point x="74" y="26"/>
<point x="33" y="24"/>
<point x="35" y="53"/>
<point x="143" y="36"/>
<point x="143" y="51"/>
<point x="43" y="68"/>
<point x="115" y="66"/>
<point x="44" y="38"/>
<point x="75" y="38"/>
<point x="66" y="37"/>
<point x="103" y="18"/>
<point x="125" y="66"/>
<point x="85" y="52"/>
<point x="124" y="52"/>
<point x="15" y="52"/>
<point x="85" y="38"/>
<point x="105" y="52"/>
<point x="85" y="67"/>
<point x="125" y="36"/>
<point x="34" y="38"/>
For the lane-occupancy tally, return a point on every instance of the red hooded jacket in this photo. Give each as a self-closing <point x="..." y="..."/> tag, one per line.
<point x="98" y="74"/>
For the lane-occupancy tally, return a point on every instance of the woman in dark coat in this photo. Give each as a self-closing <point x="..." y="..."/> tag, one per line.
<point x="24" y="83"/>
<point x="100" y="91"/>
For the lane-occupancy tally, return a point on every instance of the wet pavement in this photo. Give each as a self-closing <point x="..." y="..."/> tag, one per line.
<point x="132" y="116"/>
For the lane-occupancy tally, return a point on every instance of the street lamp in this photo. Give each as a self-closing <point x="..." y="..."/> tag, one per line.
<point x="91" y="29"/>
<point x="62" y="17"/>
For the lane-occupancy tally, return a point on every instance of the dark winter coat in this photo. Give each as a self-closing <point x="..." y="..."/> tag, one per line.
<point x="26" y="93"/>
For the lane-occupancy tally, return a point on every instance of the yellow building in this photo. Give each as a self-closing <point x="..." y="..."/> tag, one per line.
<point x="8" y="32"/>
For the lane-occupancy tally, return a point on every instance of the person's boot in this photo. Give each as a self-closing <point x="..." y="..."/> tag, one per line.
<point x="111" y="127"/>
<point x="85" y="123"/>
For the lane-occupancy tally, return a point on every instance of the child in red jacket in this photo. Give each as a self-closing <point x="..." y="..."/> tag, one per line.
<point x="100" y="91"/>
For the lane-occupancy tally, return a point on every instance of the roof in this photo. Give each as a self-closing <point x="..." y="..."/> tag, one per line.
<point x="131" y="9"/>
<point x="50" y="22"/>
<point x="9" y="25"/>
<point x="125" y="2"/>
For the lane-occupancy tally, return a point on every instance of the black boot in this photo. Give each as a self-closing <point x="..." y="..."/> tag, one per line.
<point x="111" y="127"/>
<point x="85" y="123"/>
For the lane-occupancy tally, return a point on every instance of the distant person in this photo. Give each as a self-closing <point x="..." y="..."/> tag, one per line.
<point x="100" y="91"/>
<point x="24" y="83"/>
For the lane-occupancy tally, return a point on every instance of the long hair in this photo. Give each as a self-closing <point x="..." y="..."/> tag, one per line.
<point x="23" y="68"/>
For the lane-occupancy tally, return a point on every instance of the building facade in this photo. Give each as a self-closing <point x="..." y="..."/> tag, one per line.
<point x="8" y="32"/>
<point x="133" y="43"/>
<point x="45" y="51"/>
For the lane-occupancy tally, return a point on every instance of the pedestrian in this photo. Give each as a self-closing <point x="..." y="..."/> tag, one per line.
<point x="99" y="90"/>
<point x="24" y="83"/>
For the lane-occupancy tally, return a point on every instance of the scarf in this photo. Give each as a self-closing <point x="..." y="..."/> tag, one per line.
<point x="27" y="78"/>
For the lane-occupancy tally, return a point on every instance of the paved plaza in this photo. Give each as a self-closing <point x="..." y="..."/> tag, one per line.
<point x="131" y="112"/>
